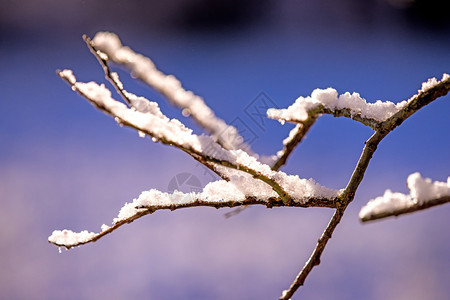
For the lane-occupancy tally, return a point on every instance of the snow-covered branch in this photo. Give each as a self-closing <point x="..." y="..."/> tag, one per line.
<point x="245" y="180"/>
<point x="203" y="148"/>
<point x="353" y="106"/>
<point x="239" y="191"/>
<point x="424" y="193"/>
<point x="144" y="69"/>
<point x="327" y="101"/>
<point x="430" y="91"/>
<point x="296" y="135"/>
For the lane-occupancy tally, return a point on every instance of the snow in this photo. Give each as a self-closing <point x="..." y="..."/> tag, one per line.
<point x="148" y="119"/>
<point x="69" y="238"/>
<point x="432" y="82"/>
<point x="143" y="105"/>
<point x="240" y="186"/>
<point x="421" y="191"/>
<point x="173" y="131"/>
<point x="103" y="55"/>
<point x="143" y="68"/>
<point x="154" y="123"/>
<point x="424" y="189"/>
<point x="116" y="79"/>
<point x="292" y="134"/>
<point x="329" y="99"/>
<point x="386" y="203"/>
<point x="68" y="74"/>
<point x="214" y="192"/>
<point x="357" y="106"/>
<point x="236" y="190"/>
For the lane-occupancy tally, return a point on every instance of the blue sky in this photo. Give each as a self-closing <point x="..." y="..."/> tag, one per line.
<point x="65" y="165"/>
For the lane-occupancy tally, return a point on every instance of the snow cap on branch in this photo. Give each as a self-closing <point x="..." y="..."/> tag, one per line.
<point x="432" y="82"/>
<point x="69" y="238"/>
<point x="424" y="189"/>
<point x="329" y="99"/>
<point x="421" y="190"/>
<point x="240" y="190"/>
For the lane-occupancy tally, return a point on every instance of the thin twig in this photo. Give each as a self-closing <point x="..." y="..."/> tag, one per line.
<point x="300" y="130"/>
<point x="314" y="259"/>
<point x="103" y="60"/>
<point x="343" y="201"/>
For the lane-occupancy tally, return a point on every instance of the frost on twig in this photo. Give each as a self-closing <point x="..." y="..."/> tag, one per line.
<point x="239" y="191"/>
<point x="144" y="69"/>
<point x="424" y="193"/>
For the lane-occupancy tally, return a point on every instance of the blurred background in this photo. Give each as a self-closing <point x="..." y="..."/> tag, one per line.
<point x="65" y="165"/>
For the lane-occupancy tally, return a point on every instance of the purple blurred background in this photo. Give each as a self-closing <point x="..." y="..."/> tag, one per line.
<point x="65" y="165"/>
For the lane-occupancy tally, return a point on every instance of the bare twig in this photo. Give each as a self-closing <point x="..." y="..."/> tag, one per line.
<point x="295" y="137"/>
<point x="343" y="201"/>
<point x="235" y="211"/>
<point x="314" y="259"/>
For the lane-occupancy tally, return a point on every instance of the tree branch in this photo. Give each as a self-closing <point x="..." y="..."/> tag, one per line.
<point x="336" y="112"/>
<point x="414" y="207"/>
<point x="112" y="77"/>
<point x="256" y="183"/>
<point x="203" y="148"/>
<point x="431" y="90"/>
<point x="343" y="201"/>
<point x="314" y="259"/>
<point x="424" y="193"/>
<point x="327" y="101"/>
<point x="139" y="103"/>
<point x="218" y="194"/>
<point x="425" y="96"/>
<point x="295" y="137"/>
<point x="169" y="86"/>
